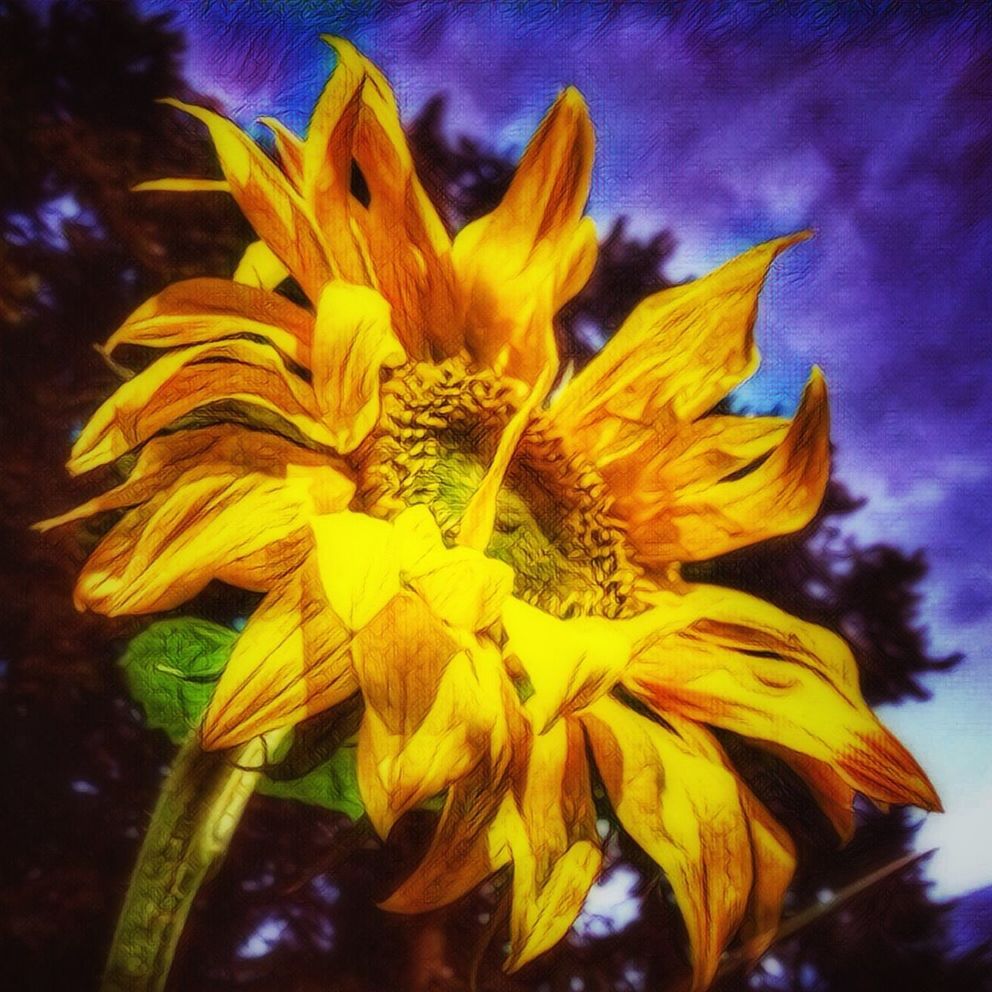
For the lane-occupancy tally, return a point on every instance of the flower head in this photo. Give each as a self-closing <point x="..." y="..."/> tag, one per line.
<point x="493" y="563"/>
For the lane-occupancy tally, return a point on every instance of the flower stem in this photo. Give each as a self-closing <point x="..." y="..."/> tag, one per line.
<point x="201" y="802"/>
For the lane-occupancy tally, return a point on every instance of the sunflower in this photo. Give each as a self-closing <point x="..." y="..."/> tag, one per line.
<point x="487" y="550"/>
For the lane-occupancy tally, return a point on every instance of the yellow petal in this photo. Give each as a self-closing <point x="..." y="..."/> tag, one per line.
<point x="670" y="518"/>
<point x="222" y="447"/>
<point x="681" y="350"/>
<point x="183" y="185"/>
<point x="353" y="343"/>
<point x="684" y="810"/>
<point x="551" y="835"/>
<point x="259" y="266"/>
<point x="195" y="311"/>
<point x="407" y="252"/>
<point x="519" y="264"/>
<point x="272" y="206"/>
<point x="180" y="382"/>
<point x="569" y="663"/>
<point x="289" y="148"/>
<point x="433" y="708"/>
<point x="290" y="662"/>
<point x="731" y="660"/>
<point x="328" y="154"/>
<point x="166" y="550"/>
<point x="465" y="849"/>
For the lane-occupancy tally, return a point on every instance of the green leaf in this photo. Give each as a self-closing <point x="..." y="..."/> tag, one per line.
<point x="332" y="784"/>
<point x="171" y="669"/>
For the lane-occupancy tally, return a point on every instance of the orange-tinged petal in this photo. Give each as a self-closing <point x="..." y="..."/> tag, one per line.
<point x="671" y="518"/>
<point x="681" y="351"/>
<point x="289" y="148"/>
<point x="353" y="343"/>
<point x="433" y="708"/>
<point x="684" y="810"/>
<point x="465" y="849"/>
<point x="272" y="206"/>
<point x="551" y="835"/>
<point x="727" y="659"/>
<point x="195" y="311"/>
<point x="180" y="382"/>
<point x="166" y="550"/>
<point x="518" y="264"/>
<point x="221" y="447"/>
<point x="290" y="662"/>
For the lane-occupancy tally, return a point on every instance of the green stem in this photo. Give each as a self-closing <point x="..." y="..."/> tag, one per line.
<point x="201" y="802"/>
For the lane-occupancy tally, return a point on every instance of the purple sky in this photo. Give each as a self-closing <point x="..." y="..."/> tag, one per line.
<point x="728" y="129"/>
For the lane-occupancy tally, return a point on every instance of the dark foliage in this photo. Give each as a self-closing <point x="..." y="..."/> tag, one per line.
<point x="293" y="906"/>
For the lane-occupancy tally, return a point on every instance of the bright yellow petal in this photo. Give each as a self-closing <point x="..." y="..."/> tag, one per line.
<point x="221" y="447"/>
<point x="353" y="343"/>
<point x="518" y="264"/>
<point x="551" y="835"/>
<point x="569" y="663"/>
<point x="182" y="381"/>
<point x="671" y="518"/>
<point x="272" y="206"/>
<point x="290" y="662"/>
<point x="166" y="550"/>
<point x="684" y="810"/>
<point x="195" y="311"/>
<point x="260" y="266"/>
<point x="721" y="657"/>
<point x="680" y="351"/>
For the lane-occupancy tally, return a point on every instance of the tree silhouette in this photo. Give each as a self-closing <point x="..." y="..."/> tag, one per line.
<point x="293" y="906"/>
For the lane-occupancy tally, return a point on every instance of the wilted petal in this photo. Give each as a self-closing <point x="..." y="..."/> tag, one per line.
<point x="670" y="518"/>
<point x="569" y="663"/>
<point x="550" y="831"/>
<point x="182" y="381"/>
<point x="721" y="657"/>
<point x="290" y="662"/>
<point x="272" y="206"/>
<point x="165" y="551"/>
<point x="684" y="810"/>
<point x="680" y="351"/>
<point x="195" y="311"/>
<point x="353" y="342"/>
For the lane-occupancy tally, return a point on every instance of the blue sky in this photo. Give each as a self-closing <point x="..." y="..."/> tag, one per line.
<point x="728" y="125"/>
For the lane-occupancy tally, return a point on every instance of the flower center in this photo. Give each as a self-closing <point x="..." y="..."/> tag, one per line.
<point x="437" y="434"/>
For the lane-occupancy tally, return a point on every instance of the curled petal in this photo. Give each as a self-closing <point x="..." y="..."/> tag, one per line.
<point x="196" y="311"/>
<point x="353" y="343"/>
<point x="670" y="517"/>
<point x="290" y="662"/>
<point x="166" y="550"/>
<point x="223" y="448"/>
<point x="724" y="658"/>
<point x="570" y="663"/>
<point x="680" y="351"/>
<point x="182" y="381"/>
<point x="684" y="810"/>
<point x="289" y="148"/>
<point x="550" y="832"/>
